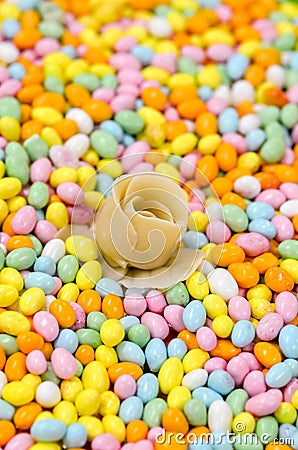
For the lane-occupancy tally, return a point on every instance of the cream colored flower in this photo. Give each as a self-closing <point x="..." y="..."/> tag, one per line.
<point x="139" y="229"/>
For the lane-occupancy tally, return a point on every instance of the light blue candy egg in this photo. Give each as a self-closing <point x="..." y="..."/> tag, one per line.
<point x="45" y="264"/>
<point x="294" y="441"/>
<point x="128" y="322"/>
<point x="17" y="71"/>
<point x="260" y="210"/>
<point x="104" y="184"/>
<point x="286" y="430"/>
<point x="67" y="339"/>
<point x="41" y="280"/>
<point x="127" y="140"/>
<point x="278" y="375"/>
<point x="206" y="395"/>
<point x="294" y="60"/>
<point x="156" y="354"/>
<point x="10" y="27"/>
<point x="195" y="239"/>
<point x="130" y="352"/>
<point x="138" y="104"/>
<point x="220" y="441"/>
<point x="293" y="365"/>
<point x="68" y="50"/>
<point x="228" y="121"/>
<point x="131" y="409"/>
<point x="237" y="66"/>
<point x="143" y="53"/>
<point x="177" y="348"/>
<point x="48" y="430"/>
<point x="107" y="286"/>
<point x="288" y="341"/>
<point x="40" y="215"/>
<point x="221" y="382"/>
<point x="6" y="410"/>
<point x="147" y="387"/>
<point x="243" y="333"/>
<point x="264" y="227"/>
<point x="112" y="127"/>
<point x="205" y="93"/>
<point x="200" y="444"/>
<point x="194" y="315"/>
<point x="255" y="139"/>
<point x="76" y="436"/>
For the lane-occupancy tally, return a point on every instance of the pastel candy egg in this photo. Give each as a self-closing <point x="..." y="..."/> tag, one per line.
<point x="288" y="341"/>
<point x="238" y="368"/>
<point x="54" y="249"/>
<point x="247" y="186"/>
<point x="174" y="316"/>
<point x="170" y="374"/>
<point x="40" y="280"/>
<point x="82" y="119"/>
<point x="129" y="351"/>
<point x="288" y="249"/>
<point x="237" y="399"/>
<point x="40" y="170"/>
<point x="194" y="379"/>
<point x="36" y="362"/>
<point x="156" y="324"/>
<point x="253" y="244"/>
<point x="289" y="208"/>
<point x="177" y="348"/>
<point x="24" y="220"/>
<point x="22" y="441"/>
<point x="48" y="430"/>
<point x="269" y="327"/>
<point x="284" y="228"/>
<point x="223" y="284"/>
<point x="206" y="339"/>
<point x="71" y="193"/>
<point x="13" y="323"/>
<point x="254" y="383"/>
<point x="76" y="436"/>
<point x="105" y="441"/>
<point x="194" y="315"/>
<point x="78" y="144"/>
<point x="17" y="393"/>
<point x="264" y="404"/>
<point x="278" y="375"/>
<point x="156" y="354"/>
<point x="125" y="386"/>
<point x="63" y="363"/>
<point x="46" y="325"/>
<point x="220" y="416"/>
<point x="286" y="306"/>
<point x="221" y="382"/>
<point x="131" y="409"/>
<point x="260" y="210"/>
<point x="243" y="333"/>
<point x="239" y="308"/>
<point x="147" y="387"/>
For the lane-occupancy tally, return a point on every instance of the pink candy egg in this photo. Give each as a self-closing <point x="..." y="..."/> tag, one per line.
<point x="125" y="386"/>
<point x="46" y="325"/>
<point x="218" y="232"/>
<point x="105" y="441"/>
<point x="284" y="228"/>
<point x="64" y="364"/>
<point x="254" y="383"/>
<point x="206" y="338"/>
<point x="80" y="214"/>
<point x="239" y="308"/>
<point x="22" y="441"/>
<point x="135" y="304"/>
<point x="215" y="364"/>
<point x="264" y="404"/>
<point x="286" y="306"/>
<point x="290" y="390"/>
<point x="45" y="231"/>
<point x="238" y="369"/>
<point x="70" y="193"/>
<point x="274" y="197"/>
<point x="134" y="154"/>
<point x="156" y="301"/>
<point x="174" y="316"/>
<point x="24" y="220"/>
<point x="253" y="244"/>
<point x="156" y="324"/>
<point x="36" y="362"/>
<point x="80" y="316"/>
<point x="251" y="360"/>
<point x="40" y="170"/>
<point x="269" y="327"/>
<point x="290" y="190"/>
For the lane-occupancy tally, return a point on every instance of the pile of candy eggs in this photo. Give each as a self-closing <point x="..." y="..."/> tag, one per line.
<point x="204" y="92"/>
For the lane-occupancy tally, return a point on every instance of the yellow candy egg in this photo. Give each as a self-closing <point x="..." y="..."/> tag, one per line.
<point x="106" y="355"/>
<point x="66" y="412"/>
<point x="114" y="425"/>
<point x="46" y="115"/>
<point x="93" y="426"/>
<point x="8" y="295"/>
<point x="9" y="187"/>
<point x="88" y="275"/>
<point x="215" y="306"/>
<point x="14" y="323"/>
<point x="286" y="413"/>
<point x="259" y="291"/>
<point x="197" y="285"/>
<point x="57" y="214"/>
<point x="184" y="143"/>
<point x="109" y="403"/>
<point x="222" y="326"/>
<point x="15" y="203"/>
<point x="87" y="402"/>
<point x="243" y="423"/>
<point x="11" y="276"/>
<point x="195" y="359"/>
<point x="209" y="144"/>
<point x="82" y="247"/>
<point x="170" y="374"/>
<point x="17" y="393"/>
<point x="260" y="307"/>
<point x="62" y="175"/>
<point x="46" y="446"/>
<point x="31" y="380"/>
<point x="3" y="210"/>
<point x="178" y="396"/>
<point x="31" y="301"/>
<point x="112" y="332"/>
<point x="10" y="128"/>
<point x="70" y="388"/>
<point x="197" y="221"/>
<point x="69" y="292"/>
<point x="95" y="376"/>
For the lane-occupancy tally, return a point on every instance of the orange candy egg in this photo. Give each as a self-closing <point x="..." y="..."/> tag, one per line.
<point x="98" y="110"/>
<point x="267" y="354"/>
<point x="225" y="254"/>
<point x="7" y="431"/>
<point x="66" y="128"/>
<point x="278" y="279"/>
<point x="244" y="273"/>
<point x="124" y="368"/>
<point x="76" y="94"/>
<point x="2" y="357"/>
<point x="136" y="430"/>
<point x="28" y="341"/>
<point x="15" y="367"/>
<point x="207" y="170"/>
<point x="174" y="420"/>
<point x="85" y="354"/>
<point x="89" y="300"/>
<point x="189" y="338"/>
<point x="174" y="129"/>
<point x="112" y="307"/>
<point x="206" y="124"/>
<point x="154" y="98"/>
<point x="264" y="262"/>
<point x="26" y="415"/>
<point x="19" y="242"/>
<point x="225" y="349"/>
<point x="226" y="157"/>
<point x="182" y="94"/>
<point x="63" y="312"/>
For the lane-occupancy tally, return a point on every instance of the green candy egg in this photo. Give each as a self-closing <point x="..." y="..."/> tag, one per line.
<point x="2" y="258"/>
<point x="195" y="412"/>
<point x="289" y="115"/>
<point x="36" y="147"/>
<point x="87" y="336"/>
<point x="177" y="295"/>
<point x="285" y="42"/>
<point x="235" y="218"/>
<point x="236" y="400"/>
<point x="53" y="84"/>
<point x="18" y="168"/>
<point x="10" y="107"/>
<point x="67" y="268"/>
<point x="95" y="319"/>
<point x="109" y="81"/>
<point x="273" y="150"/>
<point x="15" y="150"/>
<point x="21" y="258"/>
<point x="291" y="78"/>
<point x="268" y="115"/>
<point x="51" y="29"/>
<point x="130" y="121"/>
<point x="9" y="344"/>
<point x="104" y="144"/>
<point x="37" y="245"/>
<point x="139" y="334"/>
<point x="186" y="65"/>
<point x="154" y="411"/>
<point x="39" y="195"/>
<point x="288" y="249"/>
<point x="88" y="81"/>
<point x="49" y="375"/>
<point x="80" y="369"/>
<point x="267" y="426"/>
